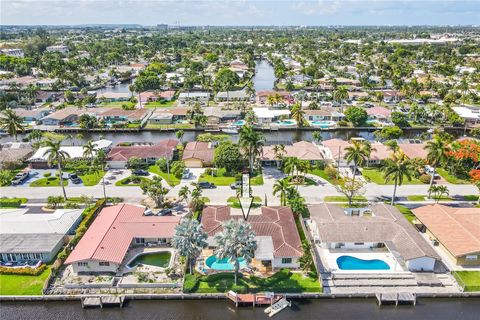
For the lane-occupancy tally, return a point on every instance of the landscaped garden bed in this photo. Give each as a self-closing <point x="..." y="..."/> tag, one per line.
<point x="132" y="181"/>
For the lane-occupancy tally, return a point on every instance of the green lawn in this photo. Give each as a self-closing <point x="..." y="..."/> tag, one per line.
<point x="23" y="285"/>
<point x="170" y="178"/>
<point x="407" y="213"/>
<point x="126" y="182"/>
<point x="22" y="200"/>
<point x="416" y="197"/>
<point x="306" y="182"/>
<point x="223" y="179"/>
<point x="343" y="198"/>
<point x="169" y="126"/>
<point x="160" y="104"/>
<point x="321" y="173"/>
<point x="450" y="178"/>
<point x="92" y="179"/>
<point x="48" y="182"/>
<point x="471" y="197"/>
<point x="471" y="279"/>
<point x="256" y="180"/>
<point x="235" y="199"/>
<point x="376" y="176"/>
<point x="115" y="104"/>
<point x="282" y="281"/>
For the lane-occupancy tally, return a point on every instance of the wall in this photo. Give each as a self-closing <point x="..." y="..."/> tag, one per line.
<point x="352" y="246"/>
<point x="277" y="264"/>
<point x="421" y="264"/>
<point x="94" y="266"/>
<point x="193" y="163"/>
<point x="117" y="164"/>
<point x="462" y="261"/>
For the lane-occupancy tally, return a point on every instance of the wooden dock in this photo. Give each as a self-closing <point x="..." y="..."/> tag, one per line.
<point x="101" y="301"/>
<point x="253" y="299"/>
<point x="396" y="298"/>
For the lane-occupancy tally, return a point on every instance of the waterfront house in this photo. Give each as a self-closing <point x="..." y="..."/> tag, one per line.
<point x="217" y="115"/>
<point x="119" y="115"/>
<point x="267" y="116"/>
<point x="118" y="156"/>
<point x="152" y="96"/>
<point x="334" y="151"/>
<point x="64" y="117"/>
<point x="379" y="113"/>
<point x="32" y="115"/>
<point x="198" y="154"/>
<point x="380" y="229"/>
<point x="114" y="231"/>
<point x="262" y="96"/>
<point x="302" y="150"/>
<point x="278" y="241"/>
<point x="414" y="150"/>
<point x="454" y="230"/>
<point x="167" y="116"/>
<point x="471" y="115"/>
<point x="192" y="97"/>
<point x="239" y="95"/>
<point x="323" y="114"/>
<point x="35" y="237"/>
<point x="113" y="96"/>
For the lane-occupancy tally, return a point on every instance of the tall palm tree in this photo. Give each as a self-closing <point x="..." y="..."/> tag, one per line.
<point x="251" y="142"/>
<point x="89" y="150"/>
<point x="396" y="169"/>
<point x="291" y="165"/>
<point x="11" y="122"/>
<point x="279" y="151"/>
<point x="358" y="153"/>
<point x="282" y="187"/>
<point x="339" y="95"/>
<point x="184" y="193"/>
<point x="54" y="153"/>
<point x="189" y="239"/>
<point x="436" y="154"/>
<point x="317" y="136"/>
<point x="298" y="114"/>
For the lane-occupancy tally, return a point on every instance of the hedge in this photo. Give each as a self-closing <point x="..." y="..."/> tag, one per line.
<point x="24" y="271"/>
<point x="9" y="203"/>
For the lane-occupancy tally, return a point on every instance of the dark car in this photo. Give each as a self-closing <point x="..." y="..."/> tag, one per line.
<point x="140" y="172"/>
<point x="74" y="178"/>
<point x="206" y="185"/>
<point x="236" y="185"/>
<point x="20" y="178"/>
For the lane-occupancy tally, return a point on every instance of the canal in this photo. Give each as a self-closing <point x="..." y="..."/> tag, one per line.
<point x="264" y="78"/>
<point x="338" y="309"/>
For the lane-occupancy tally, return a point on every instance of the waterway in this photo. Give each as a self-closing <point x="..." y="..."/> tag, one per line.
<point x="119" y="88"/>
<point x="264" y="78"/>
<point x="338" y="309"/>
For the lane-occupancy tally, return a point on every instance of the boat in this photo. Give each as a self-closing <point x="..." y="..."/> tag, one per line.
<point x="230" y="130"/>
<point x="277" y="307"/>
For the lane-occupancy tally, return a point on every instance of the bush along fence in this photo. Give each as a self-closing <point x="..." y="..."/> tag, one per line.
<point x="24" y="271"/>
<point x="10" y="203"/>
<point x="89" y="215"/>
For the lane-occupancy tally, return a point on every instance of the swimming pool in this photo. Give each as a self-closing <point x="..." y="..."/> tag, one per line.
<point x="323" y="124"/>
<point x="223" y="264"/>
<point x="287" y="122"/>
<point x="157" y="259"/>
<point x="352" y="263"/>
<point x="239" y="123"/>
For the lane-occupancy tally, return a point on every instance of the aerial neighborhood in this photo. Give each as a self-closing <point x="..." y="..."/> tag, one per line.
<point x="241" y="163"/>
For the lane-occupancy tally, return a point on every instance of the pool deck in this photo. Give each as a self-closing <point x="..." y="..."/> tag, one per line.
<point x="384" y="255"/>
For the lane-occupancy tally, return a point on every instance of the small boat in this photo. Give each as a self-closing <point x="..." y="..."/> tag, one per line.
<point x="277" y="307"/>
<point x="230" y="130"/>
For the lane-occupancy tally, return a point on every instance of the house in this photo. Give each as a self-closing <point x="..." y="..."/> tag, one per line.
<point x="39" y="160"/>
<point x="17" y="53"/>
<point x="414" y="150"/>
<point x="357" y="95"/>
<point x="262" y="96"/>
<point x="64" y="117"/>
<point x="323" y="114"/>
<point x="267" y="116"/>
<point x="114" y="96"/>
<point x="32" y="115"/>
<point x="152" y="96"/>
<point x="167" y="116"/>
<point x="32" y="237"/>
<point x="114" y="231"/>
<point x="455" y="230"/>
<point x="379" y="113"/>
<point x="59" y="48"/>
<point x="118" y="156"/>
<point x="187" y="97"/>
<point x="198" y="154"/>
<point x="302" y="150"/>
<point x="239" y="95"/>
<point x="334" y="151"/>
<point x="14" y="154"/>
<point x="380" y="227"/>
<point x="471" y="115"/>
<point x="114" y="115"/>
<point x="278" y="241"/>
<point x="216" y="115"/>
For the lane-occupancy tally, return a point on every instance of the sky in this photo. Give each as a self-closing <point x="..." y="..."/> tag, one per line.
<point x="240" y="12"/>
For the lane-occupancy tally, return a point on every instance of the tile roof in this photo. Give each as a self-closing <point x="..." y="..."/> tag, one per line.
<point x="11" y="155"/>
<point x="302" y="150"/>
<point x="379" y="150"/>
<point x="458" y="229"/>
<point x="414" y="150"/>
<point x="275" y="222"/>
<point x="386" y="225"/>
<point x="199" y="150"/>
<point x="112" y="232"/>
<point x="162" y="149"/>
<point x="135" y="114"/>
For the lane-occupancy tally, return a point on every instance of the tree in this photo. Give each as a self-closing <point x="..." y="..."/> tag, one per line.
<point x="317" y="136"/>
<point x="251" y="143"/>
<point x="234" y="242"/>
<point x="155" y="190"/>
<point x="35" y="135"/>
<point x="475" y="178"/>
<point x="55" y="153"/>
<point x="437" y="150"/>
<point x="189" y="239"/>
<point x="196" y="202"/>
<point x="350" y="188"/>
<point x="395" y="169"/>
<point x="179" y="134"/>
<point x="227" y="155"/>
<point x="226" y="79"/>
<point x="387" y="133"/>
<point x="356" y="115"/>
<point x="358" y="152"/>
<point x="54" y="201"/>
<point x="279" y="151"/>
<point x="11" y="122"/>
<point x="282" y="187"/>
<point x="400" y="119"/>
<point x="306" y="260"/>
<point x="135" y="163"/>
<point x="184" y="193"/>
<point x="87" y="121"/>
<point x="5" y="177"/>
<point x="438" y="192"/>
<point x="340" y="95"/>
<point x="89" y="150"/>
<point x="298" y="115"/>
<point x="290" y="165"/>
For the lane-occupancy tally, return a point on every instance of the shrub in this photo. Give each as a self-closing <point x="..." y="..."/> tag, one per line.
<point x="10" y="203"/>
<point x="208" y="171"/>
<point x="23" y="271"/>
<point x="331" y="172"/>
<point x="190" y="283"/>
<point x="320" y="164"/>
<point x="162" y="164"/>
<point x="425" y="178"/>
<point x="177" y="169"/>
<point x="47" y="174"/>
<point x="71" y="205"/>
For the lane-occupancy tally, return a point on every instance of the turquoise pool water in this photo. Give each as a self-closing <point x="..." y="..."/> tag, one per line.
<point x="222" y="264"/>
<point x="239" y="123"/>
<point x="287" y="122"/>
<point x="352" y="263"/>
<point x="322" y="124"/>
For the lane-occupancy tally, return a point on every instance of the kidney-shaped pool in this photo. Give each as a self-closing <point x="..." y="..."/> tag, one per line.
<point x="352" y="263"/>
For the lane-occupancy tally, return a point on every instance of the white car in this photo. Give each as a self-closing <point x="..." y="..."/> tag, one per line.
<point x="186" y="174"/>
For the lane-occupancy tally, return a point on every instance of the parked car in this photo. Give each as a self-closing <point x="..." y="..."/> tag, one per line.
<point x="206" y="185"/>
<point x="140" y="172"/>
<point x="20" y="178"/>
<point x="74" y="178"/>
<point x="236" y="185"/>
<point x="186" y="174"/>
<point x="164" y="212"/>
<point x="429" y="170"/>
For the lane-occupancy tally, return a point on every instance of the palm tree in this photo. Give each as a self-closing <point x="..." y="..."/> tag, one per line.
<point x="317" y="136"/>
<point x="298" y="114"/>
<point x="179" y="134"/>
<point x="290" y="166"/>
<point x="234" y="242"/>
<point x="189" y="239"/>
<point x="55" y="153"/>
<point x="11" y="122"/>
<point x="340" y="95"/>
<point x="89" y="150"/>
<point x="438" y="192"/>
<point x="279" y="151"/>
<point x="184" y="193"/>
<point x="436" y="155"/>
<point x="358" y="153"/>
<point x="282" y="187"/>
<point x="396" y="169"/>
<point x="251" y="143"/>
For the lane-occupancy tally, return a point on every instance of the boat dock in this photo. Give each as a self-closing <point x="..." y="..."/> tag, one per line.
<point x="253" y="299"/>
<point x="396" y="298"/>
<point x="101" y="301"/>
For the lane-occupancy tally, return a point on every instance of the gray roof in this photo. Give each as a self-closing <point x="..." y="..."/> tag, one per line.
<point x="240" y="94"/>
<point x="192" y="95"/>
<point x="386" y="224"/>
<point x="29" y="243"/>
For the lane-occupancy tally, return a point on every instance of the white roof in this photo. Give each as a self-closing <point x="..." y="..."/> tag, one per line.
<point x="73" y="151"/>
<point x="264" y="248"/>
<point x="102" y="144"/>
<point x="468" y="113"/>
<point x="19" y="221"/>
<point x="194" y="95"/>
<point x="114" y="95"/>
<point x="267" y="113"/>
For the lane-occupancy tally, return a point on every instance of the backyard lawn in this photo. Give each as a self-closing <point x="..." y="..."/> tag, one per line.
<point x="169" y="126"/>
<point x="471" y="279"/>
<point x="116" y="104"/>
<point x="223" y="179"/>
<point x="169" y="178"/>
<point x="48" y="182"/>
<point x="451" y="178"/>
<point x="160" y="104"/>
<point x="23" y="285"/>
<point x="376" y="176"/>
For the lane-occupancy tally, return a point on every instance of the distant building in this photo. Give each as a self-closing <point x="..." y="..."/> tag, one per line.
<point x="17" y="53"/>
<point x="239" y="95"/>
<point x="59" y="48"/>
<point x="186" y="97"/>
<point x="471" y="115"/>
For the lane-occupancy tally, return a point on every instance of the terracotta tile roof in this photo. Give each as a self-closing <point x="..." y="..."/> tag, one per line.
<point x="173" y="111"/>
<point x="275" y="222"/>
<point x="112" y="232"/>
<point x="199" y="150"/>
<point x="302" y="150"/>
<point x="379" y="111"/>
<point x="386" y="225"/>
<point x="414" y="150"/>
<point x="162" y="149"/>
<point x="458" y="229"/>
<point x="136" y="114"/>
<point x="379" y="150"/>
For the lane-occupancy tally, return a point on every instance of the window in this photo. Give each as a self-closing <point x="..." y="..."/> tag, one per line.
<point x="471" y="257"/>
<point x="286" y="260"/>
<point x="104" y="263"/>
<point x="82" y="264"/>
<point x="358" y="243"/>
